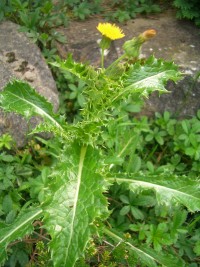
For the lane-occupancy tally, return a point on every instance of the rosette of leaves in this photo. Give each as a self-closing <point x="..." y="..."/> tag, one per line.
<point x="74" y="204"/>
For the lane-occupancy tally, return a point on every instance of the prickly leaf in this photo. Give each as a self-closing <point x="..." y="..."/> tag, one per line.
<point x="76" y="203"/>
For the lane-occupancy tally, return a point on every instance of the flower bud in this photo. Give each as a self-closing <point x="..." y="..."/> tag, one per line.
<point x="148" y="34"/>
<point x="132" y="47"/>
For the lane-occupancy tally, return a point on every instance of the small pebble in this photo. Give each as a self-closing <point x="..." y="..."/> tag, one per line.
<point x="29" y="76"/>
<point x="189" y="72"/>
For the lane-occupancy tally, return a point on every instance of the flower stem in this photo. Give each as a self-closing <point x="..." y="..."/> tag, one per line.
<point x="116" y="61"/>
<point x="102" y="58"/>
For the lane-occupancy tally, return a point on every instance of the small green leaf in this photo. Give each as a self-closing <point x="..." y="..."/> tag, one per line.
<point x="150" y="166"/>
<point x="124" y="210"/>
<point x="185" y="126"/>
<point x="197" y="248"/>
<point x="135" y="163"/>
<point x="159" y="139"/>
<point x="81" y="100"/>
<point x="149" y="137"/>
<point x="11" y="216"/>
<point x="190" y="151"/>
<point x="166" y="116"/>
<point x="6" y="158"/>
<point x="7" y="203"/>
<point x="124" y="199"/>
<point x="193" y="139"/>
<point x="137" y="213"/>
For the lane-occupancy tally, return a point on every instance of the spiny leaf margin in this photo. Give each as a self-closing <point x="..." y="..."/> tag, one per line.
<point x="19" y="97"/>
<point x="146" y="255"/>
<point x="18" y="229"/>
<point x="168" y="188"/>
<point x="77" y="201"/>
<point x="150" y="76"/>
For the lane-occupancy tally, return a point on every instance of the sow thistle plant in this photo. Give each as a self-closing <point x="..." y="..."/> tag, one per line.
<point x="74" y="206"/>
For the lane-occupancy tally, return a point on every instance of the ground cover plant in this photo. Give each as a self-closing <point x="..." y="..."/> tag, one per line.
<point x="120" y="189"/>
<point x="188" y="10"/>
<point x="40" y="19"/>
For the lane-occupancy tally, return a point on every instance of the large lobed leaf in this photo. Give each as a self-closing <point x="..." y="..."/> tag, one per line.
<point x="169" y="189"/>
<point x="18" y="229"/>
<point x="76" y="202"/>
<point x="20" y="97"/>
<point x="150" y="76"/>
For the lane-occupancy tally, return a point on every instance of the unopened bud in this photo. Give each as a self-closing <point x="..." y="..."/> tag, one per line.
<point x="148" y="34"/>
<point x="132" y="47"/>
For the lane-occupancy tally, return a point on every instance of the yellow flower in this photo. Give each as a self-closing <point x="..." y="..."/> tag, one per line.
<point x="110" y="31"/>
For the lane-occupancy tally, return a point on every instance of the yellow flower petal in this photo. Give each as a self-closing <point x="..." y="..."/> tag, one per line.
<point x="111" y="31"/>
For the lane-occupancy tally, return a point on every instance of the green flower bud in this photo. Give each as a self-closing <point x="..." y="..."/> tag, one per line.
<point x="132" y="47"/>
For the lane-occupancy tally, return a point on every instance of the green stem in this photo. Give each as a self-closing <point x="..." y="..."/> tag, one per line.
<point x="138" y="251"/>
<point x="116" y="61"/>
<point x="102" y="58"/>
<point x="194" y="222"/>
<point x="124" y="149"/>
<point x="112" y="235"/>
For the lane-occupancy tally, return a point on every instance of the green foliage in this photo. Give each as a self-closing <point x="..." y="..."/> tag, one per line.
<point x="92" y="163"/>
<point x="16" y="168"/>
<point x="38" y="19"/>
<point x="71" y="94"/>
<point x="5" y="141"/>
<point x="74" y="198"/>
<point x="125" y="10"/>
<point x="152" y="75"/>
<point x="188" y="9"/>
<point x="54" y="194"/>
<point x="138" y="210"/>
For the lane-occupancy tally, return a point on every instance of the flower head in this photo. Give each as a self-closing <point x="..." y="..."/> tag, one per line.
<point x="110" y="31"/>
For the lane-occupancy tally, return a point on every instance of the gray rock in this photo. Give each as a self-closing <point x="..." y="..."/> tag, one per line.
<point x="22" y="59"/>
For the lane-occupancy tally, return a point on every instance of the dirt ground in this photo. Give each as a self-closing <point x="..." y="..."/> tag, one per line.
<point x="176" y="40"/>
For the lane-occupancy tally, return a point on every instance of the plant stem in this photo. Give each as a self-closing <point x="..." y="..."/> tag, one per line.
<point x="112" y="235"/>
<point x="116" y="61"/>
<point x="102" y="58"/>
<point x="141" y="253"/>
